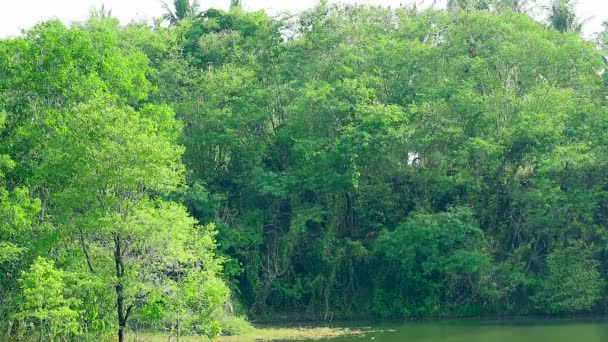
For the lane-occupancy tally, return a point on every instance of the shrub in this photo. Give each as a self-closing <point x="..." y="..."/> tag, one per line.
<point x="236" y="325"/>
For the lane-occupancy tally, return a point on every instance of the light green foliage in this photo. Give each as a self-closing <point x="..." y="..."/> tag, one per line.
<point x="573" y="283"/>
<point x="108" y="154"/>
<point x="17" y="211"/>
<point x="44" y="308"/>
<point x="236" y="325"/>
<point x="175" y="267"/>
<point x="108" y="160"/>
<point x="17" y="244"/>
<point x="102" y="160"/>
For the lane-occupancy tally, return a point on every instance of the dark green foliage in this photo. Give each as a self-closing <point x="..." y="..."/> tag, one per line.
<point x="307" y="139"/>
<point x="562" y="16"/>
<point x="182" y="9"/>
<point x="433" y="264"/>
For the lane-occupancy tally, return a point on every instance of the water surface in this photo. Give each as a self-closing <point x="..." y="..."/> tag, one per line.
<point x="520" y="330"/>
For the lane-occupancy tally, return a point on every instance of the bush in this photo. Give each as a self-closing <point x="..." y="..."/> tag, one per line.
<point x="573" y="283"/>
<point x="439" y="264"/>
<point x="44" y="308"/>
<point x="236" y="325"/>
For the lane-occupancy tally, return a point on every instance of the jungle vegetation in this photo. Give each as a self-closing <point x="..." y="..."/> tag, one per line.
<point x="346" y="162"/>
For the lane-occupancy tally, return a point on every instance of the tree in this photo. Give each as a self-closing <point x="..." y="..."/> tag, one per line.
<point x="573" y="283"/>
<point x="114" y="164"/>
<point x="18" y="245"/>
<point x="436" y="260"/>
<point x="562" y="16"/>
<point x="235" y="5"/>
<point x="102" y="169"/>
<point x="467" y="5"/>
<point x="518" y="6"/>
<point x="18" y="211"/>
<point x="44" y="305"/>
<point x="101" y="12"/>
<point x="182" y="9"/>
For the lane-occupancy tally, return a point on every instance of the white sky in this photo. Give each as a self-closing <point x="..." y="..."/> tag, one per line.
<point x="16" y="15"/>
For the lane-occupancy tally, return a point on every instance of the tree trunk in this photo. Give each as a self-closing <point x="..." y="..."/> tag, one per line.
<point x="85" y="251"/>
<point x="121" y="334"/>
<point x="123" y="314"/>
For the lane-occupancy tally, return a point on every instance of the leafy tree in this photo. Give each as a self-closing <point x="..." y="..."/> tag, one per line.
<point x="573" y="283"/>
<point x="436" y="260"/>
<point x="17" y="230"/>
<point x="17" y="245"/>
<point x="102" y="169"/>
<point x="44" y="306"/>
<point x="107" y="180"/>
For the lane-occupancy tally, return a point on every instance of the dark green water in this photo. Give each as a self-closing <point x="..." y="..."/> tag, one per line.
<point x="521" y="330"/>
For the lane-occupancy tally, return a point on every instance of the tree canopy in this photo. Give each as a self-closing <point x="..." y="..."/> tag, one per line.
<point x="348" y="162"/>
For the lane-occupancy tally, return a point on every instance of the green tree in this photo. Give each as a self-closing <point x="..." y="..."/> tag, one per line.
<point x="236" y="5"/>
<point x="562" y="16"/>
<point x="573" y="283"/>
<point x="102" y="169"/>
<point x="437" y="262"/>
<point x="18" y="211"/>
<point x="519" y="6"/>
<point x="182" y="9"/>
<point x="113" y="161"/>
<point x="44" y="306"/>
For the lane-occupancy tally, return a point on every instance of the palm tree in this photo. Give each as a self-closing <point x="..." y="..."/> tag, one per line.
<point x="517" y="6"/>
<point x="182" y="9"/>
<point x="603" y="41"/>
<point x="467" y="5"/>
<point x="236" y="4"/>
<point x="101" y="13"/>
<point x="562" y="16"/>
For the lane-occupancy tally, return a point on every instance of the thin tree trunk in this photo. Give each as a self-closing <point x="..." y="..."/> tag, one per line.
<point x="85" y="251"/>
<point x="123" y="314"/>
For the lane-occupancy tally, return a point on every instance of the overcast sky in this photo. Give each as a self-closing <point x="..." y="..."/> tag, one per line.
<point x="22" y="14"/>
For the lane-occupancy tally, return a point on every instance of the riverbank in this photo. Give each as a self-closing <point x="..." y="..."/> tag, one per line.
<point x="306" y="331"/>
<point x="263" y="334"/>
<point x="273" y="334"/>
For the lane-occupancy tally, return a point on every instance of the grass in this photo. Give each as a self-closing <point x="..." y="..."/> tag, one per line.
<point x="277" y="334"/>
<point x="263" y="334"/>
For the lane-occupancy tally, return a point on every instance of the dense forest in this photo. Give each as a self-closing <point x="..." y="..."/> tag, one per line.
<point x="347" y="162"/>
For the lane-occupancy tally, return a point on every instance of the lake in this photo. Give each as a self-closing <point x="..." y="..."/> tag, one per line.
<point x="520" y="330"/>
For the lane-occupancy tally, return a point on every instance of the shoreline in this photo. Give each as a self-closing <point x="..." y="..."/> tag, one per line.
<point x="264" y="334"/>
<point x="307" y="331"/>
<point x="346" y="322"/>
